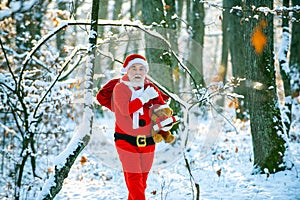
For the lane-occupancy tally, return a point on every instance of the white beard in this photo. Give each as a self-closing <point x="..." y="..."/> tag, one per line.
<point x="134" y="83"/>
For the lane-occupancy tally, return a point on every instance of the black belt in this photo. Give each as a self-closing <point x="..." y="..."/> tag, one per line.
<point x="139" y="141"/>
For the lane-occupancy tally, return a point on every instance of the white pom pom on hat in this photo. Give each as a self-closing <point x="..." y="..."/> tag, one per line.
<point x="134" y="59"/>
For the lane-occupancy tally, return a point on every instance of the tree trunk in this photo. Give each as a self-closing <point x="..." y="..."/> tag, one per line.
<point x="180" y="5"/>
<point x="82" y="137"/>
<point x="135" y="8"/>
<point x="171" y="32"/>
<point x="172" y="35"/>
<point x="284" y="69"/>
<point x="156" y="53"/>
<point x="225" y="42"/>
<point x="237" y="52"/>
<point x="197" y="41"/>
<point x="295" y="52"/>
<point x="102" y="13"/>
<point x="266" y="124"/>
<point x="222" y="71"/>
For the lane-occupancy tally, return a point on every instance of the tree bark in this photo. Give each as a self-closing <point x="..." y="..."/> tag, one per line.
<point x="295" y="52"/>
<point x="102" y="13"/>
<point x="284" y="69"/>
<point x="237" y="52"/>
<point x="265" y="117"/>
<point x="156" y="52"/>
<point x="225" y="42"/>
<point x="197" y="42"/>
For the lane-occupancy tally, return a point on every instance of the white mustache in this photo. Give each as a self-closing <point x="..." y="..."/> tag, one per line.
<point x="138" y="76"/>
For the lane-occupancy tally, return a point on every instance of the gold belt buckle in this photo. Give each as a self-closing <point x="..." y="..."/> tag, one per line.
<point x="141" y="141"/>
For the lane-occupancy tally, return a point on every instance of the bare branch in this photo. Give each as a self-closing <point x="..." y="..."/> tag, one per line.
<point x="74" y="53"/>
<point x="8" y="65"/>
<point x="192" y="179"/>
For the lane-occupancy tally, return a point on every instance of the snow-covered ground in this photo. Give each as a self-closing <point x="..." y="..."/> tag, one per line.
<point x="222" y="168"/>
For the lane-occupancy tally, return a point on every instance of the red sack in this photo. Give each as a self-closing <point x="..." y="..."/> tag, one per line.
<point x="105" y="93"/>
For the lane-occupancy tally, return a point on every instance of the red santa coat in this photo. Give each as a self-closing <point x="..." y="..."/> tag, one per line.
<point x="124" y="108"/>
<point x="136" y="161"/>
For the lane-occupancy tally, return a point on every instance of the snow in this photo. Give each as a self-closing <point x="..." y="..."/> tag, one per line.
<point x="238" y="8"/>
<point x="219" y="155"/>
<point x="93" y="34"/>
<point x="46" y="187"/>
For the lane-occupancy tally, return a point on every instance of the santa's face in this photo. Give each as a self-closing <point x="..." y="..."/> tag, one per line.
<point x="136" y="74"/>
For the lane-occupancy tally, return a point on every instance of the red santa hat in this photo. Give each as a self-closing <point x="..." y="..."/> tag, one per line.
<point x="134" y="59"/>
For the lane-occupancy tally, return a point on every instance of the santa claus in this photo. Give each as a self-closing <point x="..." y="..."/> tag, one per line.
<point x="132" y="100"/>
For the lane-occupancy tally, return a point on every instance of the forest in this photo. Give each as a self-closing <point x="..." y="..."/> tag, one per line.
<point x="230" y="67"/>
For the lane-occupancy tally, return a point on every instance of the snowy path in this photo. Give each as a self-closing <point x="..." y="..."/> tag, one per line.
<point x="224" y="173"/>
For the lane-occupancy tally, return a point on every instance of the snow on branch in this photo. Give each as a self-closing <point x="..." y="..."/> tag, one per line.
<point x="63" y="165"/>
<point x="175" y="97"/>
<point x="202" y="96"/>
<point x="7" y="129"/>
<point x="122" y="23"/>
<point x="279" y="11"/>
<point x="42" y="41"/>
<point x="65" y="160"/>
<point x="58" y="77"/>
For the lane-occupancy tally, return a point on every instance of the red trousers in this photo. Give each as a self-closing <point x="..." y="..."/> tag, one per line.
<point x="136" y="163"/>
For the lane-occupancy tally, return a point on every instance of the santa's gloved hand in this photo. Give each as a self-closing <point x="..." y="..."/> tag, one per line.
<point x="148" y="94"/>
